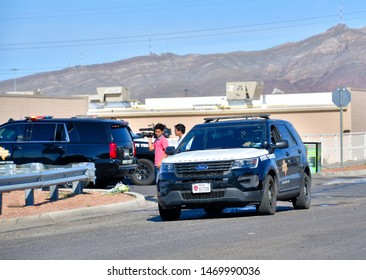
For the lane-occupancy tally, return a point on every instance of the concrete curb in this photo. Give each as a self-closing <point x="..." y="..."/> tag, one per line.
<point x="361" y="172"/>
<point x="72" y="215"/>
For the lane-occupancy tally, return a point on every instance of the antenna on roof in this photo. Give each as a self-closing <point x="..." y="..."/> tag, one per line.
<point x="340" y="12"/>
<point x="150" y="52"/>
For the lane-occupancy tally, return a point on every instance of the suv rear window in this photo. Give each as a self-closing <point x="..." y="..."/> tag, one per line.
<point x="120" y="133"/>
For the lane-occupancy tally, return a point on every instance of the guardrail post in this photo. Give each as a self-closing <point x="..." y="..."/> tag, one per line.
<point x="53" y="193"/>
<point x="29" y="197"/>
<point x="77" y="187"/>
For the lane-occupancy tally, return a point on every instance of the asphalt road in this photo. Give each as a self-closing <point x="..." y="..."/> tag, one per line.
<point x="333" y="228"/>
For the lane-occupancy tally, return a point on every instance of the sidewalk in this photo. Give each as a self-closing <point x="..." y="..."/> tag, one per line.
<point x="349" y="168"/>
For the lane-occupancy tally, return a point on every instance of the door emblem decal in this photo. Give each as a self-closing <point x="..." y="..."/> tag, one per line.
<point x="4" y="153"/>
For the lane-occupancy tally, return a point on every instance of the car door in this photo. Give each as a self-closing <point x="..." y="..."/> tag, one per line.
<point x="44" y="143"/>
<point x="289" y="163"/>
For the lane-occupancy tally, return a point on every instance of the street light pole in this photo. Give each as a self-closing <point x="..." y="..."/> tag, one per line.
<point x="341" y="122"/>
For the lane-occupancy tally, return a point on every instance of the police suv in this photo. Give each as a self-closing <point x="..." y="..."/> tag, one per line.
<point x="234" y="162"/>
<point x="60" y="141"/>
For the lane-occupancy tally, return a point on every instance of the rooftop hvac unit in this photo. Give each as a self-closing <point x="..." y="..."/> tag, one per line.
<point x="244" y="90"/>
<point x="113" y="94"/>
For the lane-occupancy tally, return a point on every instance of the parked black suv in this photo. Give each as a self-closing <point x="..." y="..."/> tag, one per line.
<point x="234" y="162"/>
<point x="107" y="143"/>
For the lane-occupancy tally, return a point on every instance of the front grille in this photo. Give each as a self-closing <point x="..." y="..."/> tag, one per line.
<point x="213" y="194"/>
<point x="216" y="168"/>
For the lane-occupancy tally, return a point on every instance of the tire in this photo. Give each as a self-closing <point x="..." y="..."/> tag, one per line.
<point x="169" y="214"/>
<point x="144" y="173"/>
<point x="268" y="203"/>
<point x="303" y="200"/>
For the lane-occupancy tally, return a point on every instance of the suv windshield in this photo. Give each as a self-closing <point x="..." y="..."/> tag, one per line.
<point x="228" y="137"/>
<point x="13" y="132"/>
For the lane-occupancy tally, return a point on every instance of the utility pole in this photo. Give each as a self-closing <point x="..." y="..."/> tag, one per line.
<point x="15" y="79"/>
<point x="185" y="92"/>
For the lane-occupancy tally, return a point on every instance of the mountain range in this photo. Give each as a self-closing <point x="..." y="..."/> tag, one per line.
<point x="319" y="63"/>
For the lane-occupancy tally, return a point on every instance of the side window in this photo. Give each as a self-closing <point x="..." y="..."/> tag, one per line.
<point x="275" y="135"/>
<point x="43" y="132"/>
<point x="72" y="132"/>
<point x="61" y="134"/>
<point x="286" y="135"/>
<point x="13" y="132"/>
<point x="87" y="132"/>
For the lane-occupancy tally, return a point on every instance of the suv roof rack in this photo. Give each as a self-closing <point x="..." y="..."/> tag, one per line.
<point x="254" y="116"/>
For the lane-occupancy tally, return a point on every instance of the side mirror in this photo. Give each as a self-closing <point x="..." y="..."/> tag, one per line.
<point x="265" y="144"/>
<point x="281" y="144"/>
<point x="170" y="150"/>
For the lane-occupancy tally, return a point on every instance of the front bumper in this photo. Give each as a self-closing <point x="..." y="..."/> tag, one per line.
<point x="224" y="193"/>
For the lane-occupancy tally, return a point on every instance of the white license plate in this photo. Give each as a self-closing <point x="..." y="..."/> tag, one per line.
<point x="201" y="188"/>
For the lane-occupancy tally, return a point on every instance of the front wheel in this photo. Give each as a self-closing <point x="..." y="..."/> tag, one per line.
<point x="169" y="214"/>
<point x="268" y="203"/>
<point x="144" y="173"/>
<point x="303" y="200"/>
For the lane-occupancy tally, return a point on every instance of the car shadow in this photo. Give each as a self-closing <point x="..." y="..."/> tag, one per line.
<point x="227" y="213"/>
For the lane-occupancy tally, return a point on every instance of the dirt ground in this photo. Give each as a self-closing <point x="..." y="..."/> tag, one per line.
<point x="14" y="202"/>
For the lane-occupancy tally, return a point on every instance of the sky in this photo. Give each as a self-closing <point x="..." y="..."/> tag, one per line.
<point x="48" y="35"/>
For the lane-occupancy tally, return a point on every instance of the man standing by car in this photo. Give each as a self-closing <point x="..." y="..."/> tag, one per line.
<point x="159" y="145"/>
<point x="179" y="131"/>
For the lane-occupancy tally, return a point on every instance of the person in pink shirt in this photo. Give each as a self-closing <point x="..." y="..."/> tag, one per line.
<point x="159" y="145"/>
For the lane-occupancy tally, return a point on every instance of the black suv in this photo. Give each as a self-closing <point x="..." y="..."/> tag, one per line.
<point x="234" y="162"/>
<point x="107" y="143"/>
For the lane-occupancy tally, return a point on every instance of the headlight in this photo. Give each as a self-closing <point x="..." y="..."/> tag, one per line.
<point x="246" y="163"/>
<point x="166" y="167"/>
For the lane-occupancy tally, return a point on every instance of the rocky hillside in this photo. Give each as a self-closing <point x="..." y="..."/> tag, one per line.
<point x="323" y="62"/>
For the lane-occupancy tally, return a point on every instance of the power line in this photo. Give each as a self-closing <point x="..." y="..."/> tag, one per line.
<point x="135" y="8"/>
<point x="219" y="31"/>
<point x="169" y="35"/>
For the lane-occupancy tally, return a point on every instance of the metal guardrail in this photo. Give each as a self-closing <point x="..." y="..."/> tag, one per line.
<point x="36" y="175"/>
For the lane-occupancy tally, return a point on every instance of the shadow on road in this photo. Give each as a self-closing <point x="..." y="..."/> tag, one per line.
<point x="200" y="214"/>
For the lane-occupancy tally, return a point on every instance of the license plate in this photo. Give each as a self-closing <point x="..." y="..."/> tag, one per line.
<point x="201" y="188"/>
